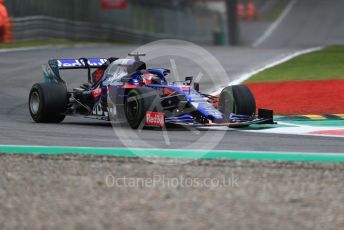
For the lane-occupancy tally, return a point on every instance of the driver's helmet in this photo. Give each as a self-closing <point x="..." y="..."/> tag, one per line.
<point x="149" y="78"/>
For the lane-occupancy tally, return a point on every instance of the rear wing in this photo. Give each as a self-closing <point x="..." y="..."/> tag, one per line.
<point x="51" y="72"/>
<point x="81" y="63"/>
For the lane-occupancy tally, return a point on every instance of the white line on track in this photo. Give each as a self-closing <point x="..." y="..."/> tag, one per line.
<point x="249" y="74"/>
<point x="246" y="76"/>
<point x="298" y="129"/>
<point x="272" y="28"/>
<point x="303" y="130"/>
<point x="291" y="131"/>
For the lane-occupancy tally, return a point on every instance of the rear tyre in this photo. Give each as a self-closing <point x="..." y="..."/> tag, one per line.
<point x="237" y="99"/>
<point x="48" y="102"/>
<point x="138" y="102"/>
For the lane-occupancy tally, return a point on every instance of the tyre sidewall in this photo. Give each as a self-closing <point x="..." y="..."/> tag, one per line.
<point x="146" y="99"/>
<point x="227" y="102"/>
<point x="52" y="102"/>
<point x="237" y="99"/>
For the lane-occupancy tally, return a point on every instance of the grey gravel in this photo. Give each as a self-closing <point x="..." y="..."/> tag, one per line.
<point x="72" y="192"/>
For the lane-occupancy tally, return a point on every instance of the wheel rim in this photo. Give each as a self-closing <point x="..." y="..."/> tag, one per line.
<point x="34" y="102"/>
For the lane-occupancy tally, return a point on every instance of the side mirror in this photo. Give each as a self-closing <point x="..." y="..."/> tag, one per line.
<point x="188" y="80"/>
<point x="196" y="86"/>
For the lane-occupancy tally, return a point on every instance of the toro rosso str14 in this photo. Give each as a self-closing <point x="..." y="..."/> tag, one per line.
<point x="125" y="89"/>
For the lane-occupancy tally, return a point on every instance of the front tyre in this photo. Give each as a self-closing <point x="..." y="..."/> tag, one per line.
<point x="138" y="103"/>
<point x="48" y="102"/>
<point x="237" y="99"/>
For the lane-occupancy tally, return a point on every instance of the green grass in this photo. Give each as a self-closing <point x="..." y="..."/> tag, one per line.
<point x="50" y="42"/>
<point x="321" y="65"/>
<point x="30" y="43"/>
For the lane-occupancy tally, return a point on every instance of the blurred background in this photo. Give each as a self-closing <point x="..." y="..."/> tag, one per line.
<point x="209" y="22"/>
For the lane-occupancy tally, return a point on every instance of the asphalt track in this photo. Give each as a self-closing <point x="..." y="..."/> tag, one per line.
<point x="19" y="70"/>
<point x="308" y="23"/>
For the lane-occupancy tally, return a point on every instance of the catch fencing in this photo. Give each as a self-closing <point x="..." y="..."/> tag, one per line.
<point x="142" y="21"/>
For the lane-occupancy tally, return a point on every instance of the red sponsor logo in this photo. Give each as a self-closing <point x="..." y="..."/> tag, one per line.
<point x="97" y="92"/>
<point x="167" y="91"/>
<point x="155" y="119"/>
<point x="185" y="87"/>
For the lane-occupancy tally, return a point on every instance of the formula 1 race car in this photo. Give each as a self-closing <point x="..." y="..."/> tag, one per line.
<point x="124" y="89"/>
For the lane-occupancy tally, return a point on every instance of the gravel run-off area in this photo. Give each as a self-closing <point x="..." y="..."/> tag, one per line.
<point x="94" y="192"/>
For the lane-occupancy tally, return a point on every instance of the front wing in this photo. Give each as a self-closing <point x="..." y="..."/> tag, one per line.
<point x="264" y="116"/>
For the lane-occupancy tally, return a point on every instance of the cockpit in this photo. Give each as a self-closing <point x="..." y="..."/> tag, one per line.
<point x="122" y="70"/>
<point x="123" y="67"/>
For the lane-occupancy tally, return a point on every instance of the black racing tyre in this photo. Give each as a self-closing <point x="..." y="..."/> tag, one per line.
<point x="237" y="99"/>
<point x="48" y="102"/>
<point x="138" y="102"/>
